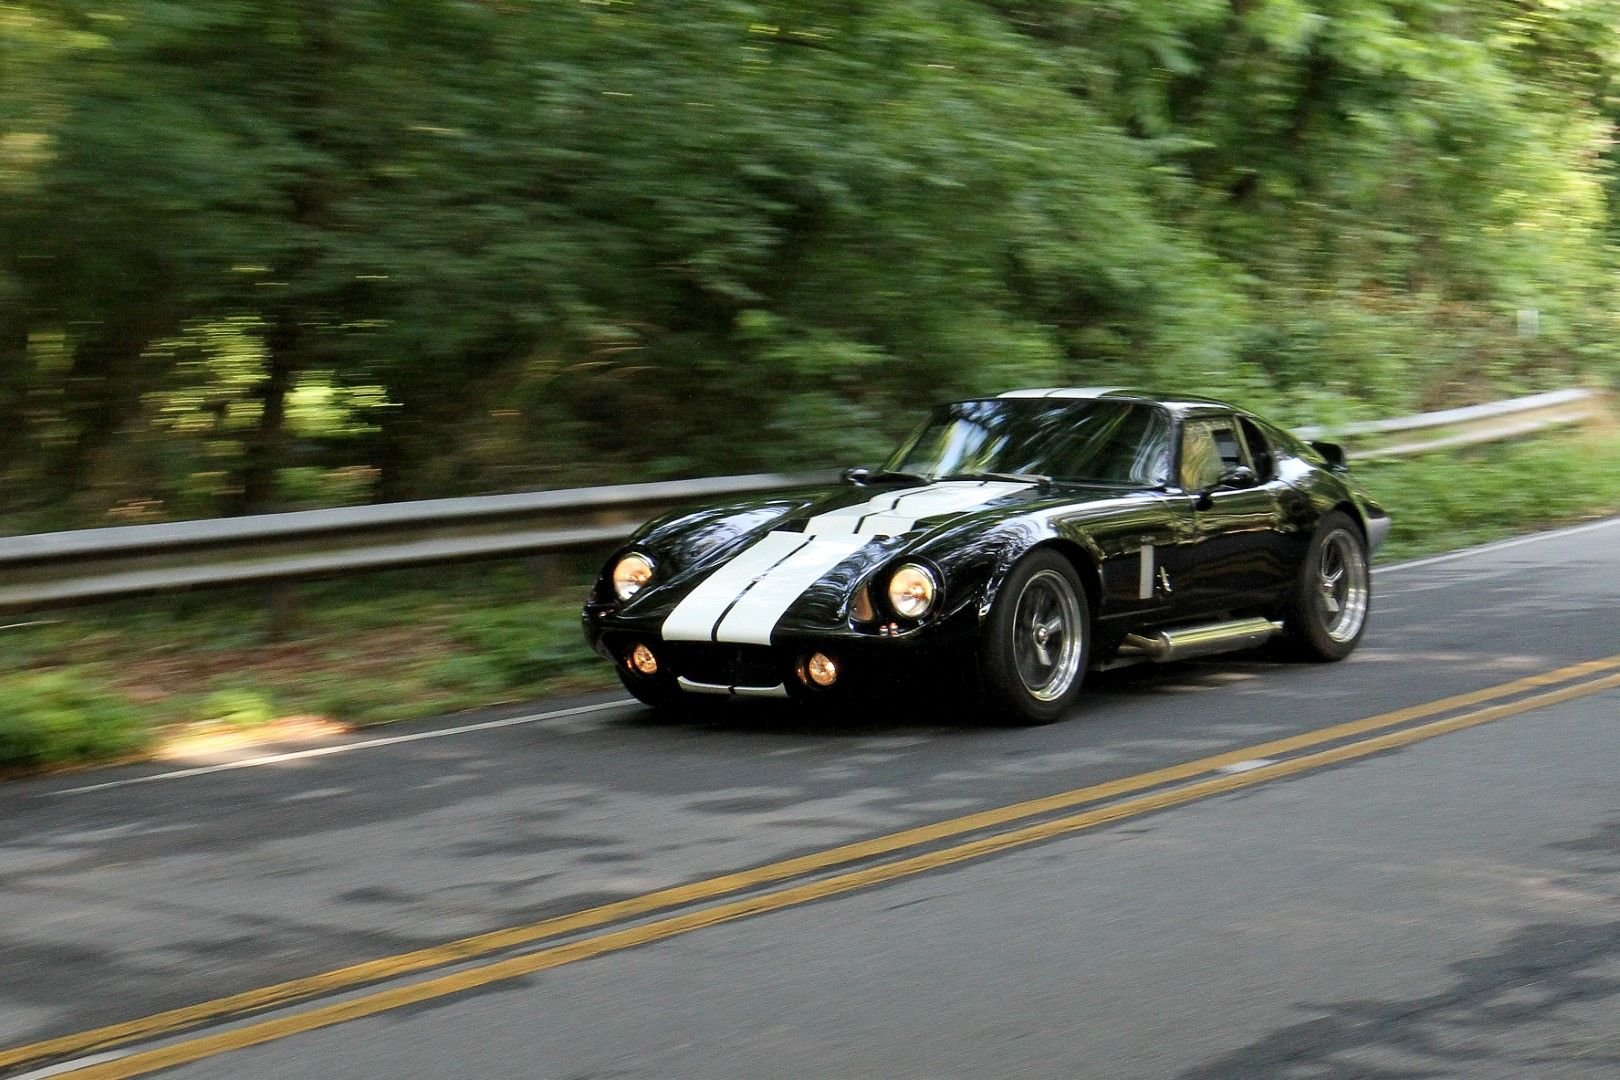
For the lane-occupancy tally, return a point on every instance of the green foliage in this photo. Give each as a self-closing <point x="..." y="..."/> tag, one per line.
<point x="237" y="708"/>
<point x="477" y="675"/>
<point x="261" y="254"/>
<point x="515" y="647"/>
<point x="366" y="700"/>
<point x="1444" y="501"/>
<point x="54" y="718"/>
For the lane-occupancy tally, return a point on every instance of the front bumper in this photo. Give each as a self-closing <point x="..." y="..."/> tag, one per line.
<point x="867" y="662"/>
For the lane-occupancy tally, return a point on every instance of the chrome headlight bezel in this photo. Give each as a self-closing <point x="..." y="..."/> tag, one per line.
<point x="631" y="573"/>
<point x="912" y="590"/>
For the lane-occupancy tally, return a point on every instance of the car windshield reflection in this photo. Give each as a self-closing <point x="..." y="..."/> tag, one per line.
<point x="1040" y="441"/>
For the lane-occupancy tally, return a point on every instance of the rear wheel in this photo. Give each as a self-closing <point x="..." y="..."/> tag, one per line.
<point x="1332" y="594"/>
<point x="1037" y="640"/>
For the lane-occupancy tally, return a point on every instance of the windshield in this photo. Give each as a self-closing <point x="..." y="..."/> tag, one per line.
<point x="1097" y="441"/>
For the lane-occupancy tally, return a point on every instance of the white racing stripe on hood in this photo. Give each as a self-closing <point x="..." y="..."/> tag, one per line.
<point x="753" y="617"/>
<point x="743" y="600"/>
<point x="694" y="618"/>
<point x="846" y="520"/>
<point x="910" y="507"/>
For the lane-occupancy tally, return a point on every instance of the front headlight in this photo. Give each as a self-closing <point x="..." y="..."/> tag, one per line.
<point x="912" y="590"/>
<point x="631" y="574"/>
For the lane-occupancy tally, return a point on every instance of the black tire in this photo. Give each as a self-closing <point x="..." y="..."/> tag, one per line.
<point x="1025" y="680"/>
<point x="1327" y="614"/>
<point x="654" y="692"/>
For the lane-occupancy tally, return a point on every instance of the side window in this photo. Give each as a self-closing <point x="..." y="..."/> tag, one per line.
<point x="1265" y="464"/>
<point x="1229" y="445"/>
<point x="1152" y="463"/>
<point x="1208" y="449"/>
<point x="1200" y="461"/>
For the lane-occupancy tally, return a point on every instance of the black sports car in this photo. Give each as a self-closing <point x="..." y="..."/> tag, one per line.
<point x="1012" y="543"/>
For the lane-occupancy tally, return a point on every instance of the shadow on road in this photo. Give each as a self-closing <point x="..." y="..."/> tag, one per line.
<point x="1535" y="1007"/>
<point x="907" y="710"/>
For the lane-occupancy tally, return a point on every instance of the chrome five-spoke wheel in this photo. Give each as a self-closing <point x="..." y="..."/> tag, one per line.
<point x="1035" y="648"/>
<point x="1341" y="585"/>
<point x="1047" y="636"/>
<point x="1328" y="612"/>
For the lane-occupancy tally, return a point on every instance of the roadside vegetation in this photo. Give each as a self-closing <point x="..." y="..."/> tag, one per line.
<point x="260" y="255"/>
<point x="1459" y="499"/>
<point x="115" y="680"/>
<point x="110" y="680"/>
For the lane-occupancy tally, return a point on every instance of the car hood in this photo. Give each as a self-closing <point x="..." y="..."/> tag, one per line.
<point x="735" y="573"/>
<point x="907" y="510"/>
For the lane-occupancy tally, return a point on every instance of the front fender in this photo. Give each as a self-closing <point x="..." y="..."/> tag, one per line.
<point x="1080" y="549"/>
<point x="977" y="566"/>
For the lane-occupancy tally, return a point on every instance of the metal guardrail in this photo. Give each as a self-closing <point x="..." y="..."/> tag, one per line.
<point x="55" y="569"/>
<point x="1474" y="425"/>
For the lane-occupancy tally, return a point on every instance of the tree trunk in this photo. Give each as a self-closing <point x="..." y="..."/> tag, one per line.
<point x="15" y="377"/>
<point x="104" y="385"/>
<point x="390" y="456"/>
<point x="267" y="447"/>
<point x="287" y="344"/>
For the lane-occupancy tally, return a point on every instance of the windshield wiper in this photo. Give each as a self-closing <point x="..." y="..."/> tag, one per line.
<point x="1016" y="477"/>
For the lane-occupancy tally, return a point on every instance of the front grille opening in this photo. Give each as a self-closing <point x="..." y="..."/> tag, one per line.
<point x="729" y="665"/>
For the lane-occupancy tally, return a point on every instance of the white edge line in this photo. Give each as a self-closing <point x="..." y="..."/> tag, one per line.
<point x="1246" y="766"/>
<point x="343" y="748"/>
<point x="74" y="1065"/>
<point x="1498" y="545"/>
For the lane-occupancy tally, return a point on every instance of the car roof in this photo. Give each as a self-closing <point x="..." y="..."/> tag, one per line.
<point x="1178" y="403"/>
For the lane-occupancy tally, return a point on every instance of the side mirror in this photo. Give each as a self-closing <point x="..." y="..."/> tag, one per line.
<point x="1333" y="452"/>
<point x="1238" y="476"/>
<point x="856" y="475"/>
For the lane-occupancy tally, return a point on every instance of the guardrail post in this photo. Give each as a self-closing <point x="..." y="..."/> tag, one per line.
<point x="280" y="611"/>
<point x="544" y="574"/>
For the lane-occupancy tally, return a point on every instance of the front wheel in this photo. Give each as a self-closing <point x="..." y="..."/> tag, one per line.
<point x="656" y="693"/>
<point x="1037" y="640"/>
<point x="1328" y="612"/>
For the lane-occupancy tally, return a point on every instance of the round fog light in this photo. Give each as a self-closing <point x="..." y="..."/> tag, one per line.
<point x="643" y="660"/>
<point x="821" y="670"/>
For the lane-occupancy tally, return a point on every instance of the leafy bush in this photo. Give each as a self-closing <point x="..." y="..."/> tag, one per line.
<point x="526" y="643"/>
<point x="239" y="708"/>
<point x="50" y="718"/>
<point x="468" y="674"/>
<point x="362" y="700"/>
<point x="1444" y="501"/>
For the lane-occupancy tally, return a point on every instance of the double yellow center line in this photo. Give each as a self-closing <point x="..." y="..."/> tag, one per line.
<point x="1155" y="790"/>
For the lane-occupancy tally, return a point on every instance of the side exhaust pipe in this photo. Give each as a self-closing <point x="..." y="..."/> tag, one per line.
<point x="1190" y="641"/>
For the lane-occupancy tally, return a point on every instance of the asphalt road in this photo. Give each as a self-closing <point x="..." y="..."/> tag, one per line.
<point x="1444" y="903"/>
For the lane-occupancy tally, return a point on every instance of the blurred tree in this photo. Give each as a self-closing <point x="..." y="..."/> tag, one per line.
<point x="528" y="243"/>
